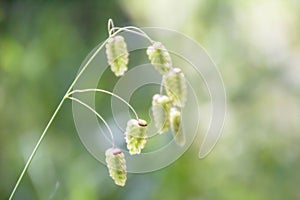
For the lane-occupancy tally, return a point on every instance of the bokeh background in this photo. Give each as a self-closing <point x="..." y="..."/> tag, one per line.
<point x="256" y="47"/>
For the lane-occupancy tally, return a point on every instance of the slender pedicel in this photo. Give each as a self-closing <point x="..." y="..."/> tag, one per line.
<point x="98" y="115"/>
<point x="135" y="30"/>
<point x="107" y="92"/>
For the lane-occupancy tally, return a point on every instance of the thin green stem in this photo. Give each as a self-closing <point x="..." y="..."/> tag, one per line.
<point x="107" y="92"/>
<point x="51" y="120"/>
<point x="136" y="30"/>
<point x="110" y="25"/>
<point x="98" y="115"/>
<point x="140" y="30"/>
<point x="111" y="28"/>
<point x="35" y="149"/>
<point x="161" y="87"/>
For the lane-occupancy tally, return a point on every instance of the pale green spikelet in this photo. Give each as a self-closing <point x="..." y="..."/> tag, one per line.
<point x="116" y="164"/>
<point x="175" y="120"/>
<point x="159" y="57"/>
<point x="136" y="135"/>
<point x="117" y="55"/>
<point x="175" y="86"/>
<point x="160" y="110"/>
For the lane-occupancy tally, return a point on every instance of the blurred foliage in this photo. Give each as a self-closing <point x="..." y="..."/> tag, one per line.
<point x="256" y="46"/>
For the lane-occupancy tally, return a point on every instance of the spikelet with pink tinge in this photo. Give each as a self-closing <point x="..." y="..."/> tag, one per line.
<point x="136" y="135"/>
<point x="116" y="164"/>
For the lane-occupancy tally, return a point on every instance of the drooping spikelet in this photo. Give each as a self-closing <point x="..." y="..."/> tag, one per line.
<point x="117" y="54"/>
<point x="116" y="164"/>
<point x="175" y="86"/>
<point x="159" y="57"/>
<point x="136" y="135"/>
<point x="160" y="111"/>
<point x="175" y="120"/>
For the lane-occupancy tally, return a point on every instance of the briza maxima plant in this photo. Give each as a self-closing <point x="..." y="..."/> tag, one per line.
<point x="166" y="107"/>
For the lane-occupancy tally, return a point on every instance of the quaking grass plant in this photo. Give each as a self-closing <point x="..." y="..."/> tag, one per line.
<point x="166" y="108"/>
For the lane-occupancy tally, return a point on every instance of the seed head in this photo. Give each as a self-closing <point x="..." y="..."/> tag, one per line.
<point x="116" y="164"/>
<point x="175" y="86"/>
<point x="159" y="57"/>
<point x="160" y="111"/>
<point x="136" y="135"/>
<point x="117" y="55"/>
<point x="175" y="119"/>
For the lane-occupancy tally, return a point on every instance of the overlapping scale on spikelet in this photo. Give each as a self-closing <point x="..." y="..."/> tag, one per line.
<point x="175" y="86"/>
<point x="159" y="57"/>
<point x="175" y="121"/>
<point x="160" y="111"/>
<point x="117" y="55"/>
<point x="136" y="135"/>
<point x="116" y="164"/>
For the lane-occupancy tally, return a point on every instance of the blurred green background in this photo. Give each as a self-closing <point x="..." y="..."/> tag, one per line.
<point x="256" y="47"/>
